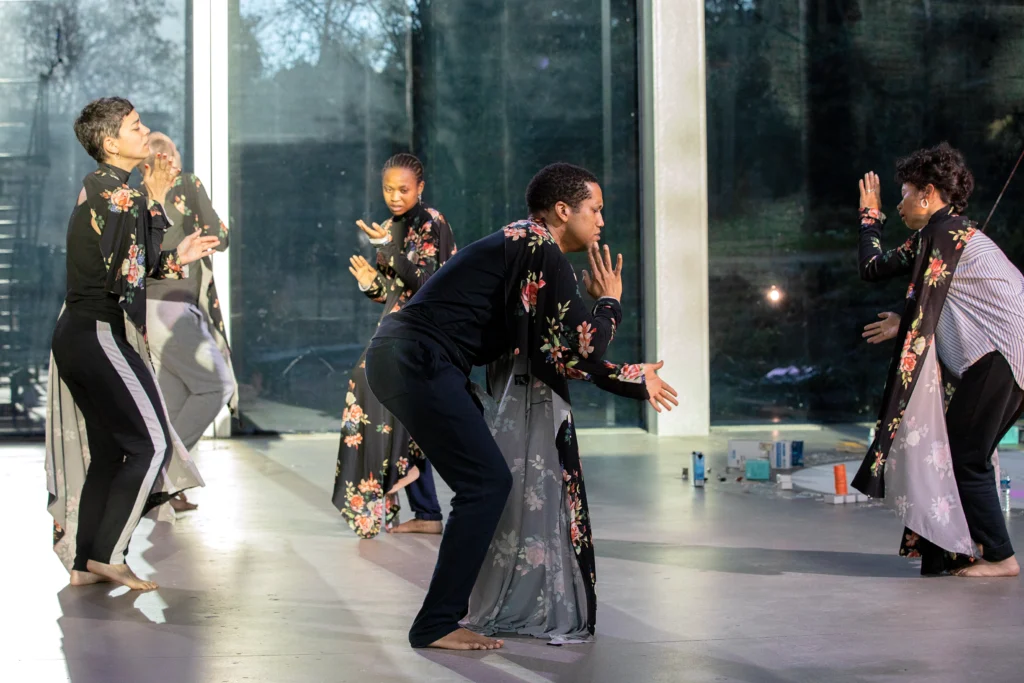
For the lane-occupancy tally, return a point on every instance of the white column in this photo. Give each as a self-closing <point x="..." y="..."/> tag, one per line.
<point x="210" y="46"/>
<point x="674" y="187"/>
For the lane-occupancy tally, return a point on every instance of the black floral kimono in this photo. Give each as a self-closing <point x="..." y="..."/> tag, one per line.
<point x="539" y="576"/>
<point x="910" y="462"/>
<point x="376" y="452"/>
<point x="191" y="201"/>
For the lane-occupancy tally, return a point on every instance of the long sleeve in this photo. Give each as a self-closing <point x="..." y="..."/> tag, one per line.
<point x="377" y="291"/>
<point x="206" y="217"/>
<point x="168" y="266"/>
<point x="585" y="338"/>
<point x="430" y="239"/>
<point x="877" y="265"/>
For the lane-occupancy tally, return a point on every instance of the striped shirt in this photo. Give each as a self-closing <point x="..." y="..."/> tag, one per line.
<point x="984" y="310"/>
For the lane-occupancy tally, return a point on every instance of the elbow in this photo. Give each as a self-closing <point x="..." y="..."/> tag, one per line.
<point x="600" y="349"/>
<point x="868" y="273"/>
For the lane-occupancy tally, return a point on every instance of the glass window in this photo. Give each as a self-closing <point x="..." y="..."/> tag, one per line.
<point x="56" y="56"/>
<point x="803" y="98"/>
<point x="486" y="93"/>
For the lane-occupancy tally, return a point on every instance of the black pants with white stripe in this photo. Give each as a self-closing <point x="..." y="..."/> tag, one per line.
<point x="129" y="439"/>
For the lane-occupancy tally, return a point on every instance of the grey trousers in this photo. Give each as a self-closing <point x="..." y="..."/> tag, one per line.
<point x="195" y="379"/>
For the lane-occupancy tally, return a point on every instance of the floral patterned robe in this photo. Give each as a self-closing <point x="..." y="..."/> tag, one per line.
<point x="375" y="450"/>
<point x="189" y="199"/>
<point x="539" y="576"/>
<point x="130" y="238"/>
<point x="910" y="463"/>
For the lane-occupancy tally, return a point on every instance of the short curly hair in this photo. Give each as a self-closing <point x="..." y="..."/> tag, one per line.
<point x="942" y="166"/>
<point x="99" y="120"/>
<point x="558" y="183"/>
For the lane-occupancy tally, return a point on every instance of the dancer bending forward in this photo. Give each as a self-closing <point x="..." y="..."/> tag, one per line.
<point x="509" y="298"/>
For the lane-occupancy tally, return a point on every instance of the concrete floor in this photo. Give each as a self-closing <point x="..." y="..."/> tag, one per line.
<point x="733" y="583"/>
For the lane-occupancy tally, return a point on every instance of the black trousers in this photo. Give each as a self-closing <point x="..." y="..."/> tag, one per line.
<point x="986" y="404"/>
<point x="430" y="395"/>
<point x="129" y="439"/>
<point x="422" y="496"/>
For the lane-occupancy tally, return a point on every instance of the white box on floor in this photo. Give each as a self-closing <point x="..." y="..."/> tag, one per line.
<point x="835" y="500"/>
<point x="861" y="498"/>
<point x="851" y="498"/>
<point x="786" y="455"/>
<point x="740" y="451"/>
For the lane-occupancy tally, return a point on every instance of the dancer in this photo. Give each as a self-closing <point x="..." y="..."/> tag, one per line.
<point x="963" y="339"/>
<point x="185" y="328"/>
<point x="512" y="295"/>
<point x="111" y="453"/>
<point x="538" y="577"/>
<point x="376" y="456"/>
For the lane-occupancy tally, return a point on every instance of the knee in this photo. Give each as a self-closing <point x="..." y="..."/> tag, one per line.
<point x="499" y="481"/>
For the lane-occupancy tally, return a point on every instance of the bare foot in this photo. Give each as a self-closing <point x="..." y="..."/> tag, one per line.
<point x="463" y="639"/>
<point x="120" y="573"/>
<point x="181" y="504"/>
<point x="418" y="526"/>
<point x="86" y="578"/>
<point x="1007" y="567"/>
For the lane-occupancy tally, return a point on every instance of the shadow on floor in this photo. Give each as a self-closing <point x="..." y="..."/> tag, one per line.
<point x="760" y="561"/>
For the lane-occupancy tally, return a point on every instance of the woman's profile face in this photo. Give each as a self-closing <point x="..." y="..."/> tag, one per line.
<point x="912" y="207"/>
<point x="401" y="190"/>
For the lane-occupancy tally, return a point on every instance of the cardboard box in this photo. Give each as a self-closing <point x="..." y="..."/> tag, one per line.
<point x="758" y="470"/>
<point x="740" y="451"/>
<point x="787" y="455"/>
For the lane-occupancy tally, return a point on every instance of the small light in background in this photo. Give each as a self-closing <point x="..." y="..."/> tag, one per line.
<point x="774" y="295"/>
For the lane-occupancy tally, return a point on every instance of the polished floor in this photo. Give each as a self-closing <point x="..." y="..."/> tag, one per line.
<point x="736" y="582"/>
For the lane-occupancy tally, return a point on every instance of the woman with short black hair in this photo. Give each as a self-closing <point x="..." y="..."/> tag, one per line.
<point x="111" y="452"/>
<point x="963" y="341"/>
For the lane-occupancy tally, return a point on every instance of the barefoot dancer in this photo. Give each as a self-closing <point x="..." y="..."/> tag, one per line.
<point x="111" y="453"/>
<point x="963" y="329"/>
<point x="512" y="294"/>
<point x="185" y="329"/>
<point x="538" y="577"/>
<point x="376" y="457"/>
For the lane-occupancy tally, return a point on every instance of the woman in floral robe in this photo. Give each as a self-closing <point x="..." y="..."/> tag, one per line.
<point x="963" y="325"/>
<point x="376" y="457"/>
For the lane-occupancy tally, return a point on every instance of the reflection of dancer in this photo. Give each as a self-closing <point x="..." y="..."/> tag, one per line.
<point x="508" y="296"/>
<point x="184" y="323"/>
<point x="103" y="394"/>
<point x="376" y="455"/>
<point x="934" y="462"/>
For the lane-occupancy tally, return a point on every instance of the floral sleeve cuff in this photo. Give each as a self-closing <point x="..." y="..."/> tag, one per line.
<point x="610" y="307"/>
<point x="871" y="216"/>
<point x="171" y="267"/>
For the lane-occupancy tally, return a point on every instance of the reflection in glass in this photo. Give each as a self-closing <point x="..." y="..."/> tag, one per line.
<point x="322" y="92"/>
<point x="55" y="58"/>
<point x="803" y="98"/>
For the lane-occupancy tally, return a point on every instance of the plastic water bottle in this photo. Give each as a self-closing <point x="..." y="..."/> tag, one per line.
<point x="1004" y="490"/>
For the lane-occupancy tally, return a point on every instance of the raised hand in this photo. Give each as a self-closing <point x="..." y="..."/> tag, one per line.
<point x="885" y="329"/>
<point x="195" y="247"/>
<point x="159" y="177"/>
<point x="603" y="280"/>
<point x="374" y="233"/>
<point x="661" y="394"/>
<point x="870" y="191"/>
<point x="362" y="271"/>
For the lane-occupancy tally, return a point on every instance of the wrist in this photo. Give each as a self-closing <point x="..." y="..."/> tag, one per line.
<point x="156" y="193"/>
